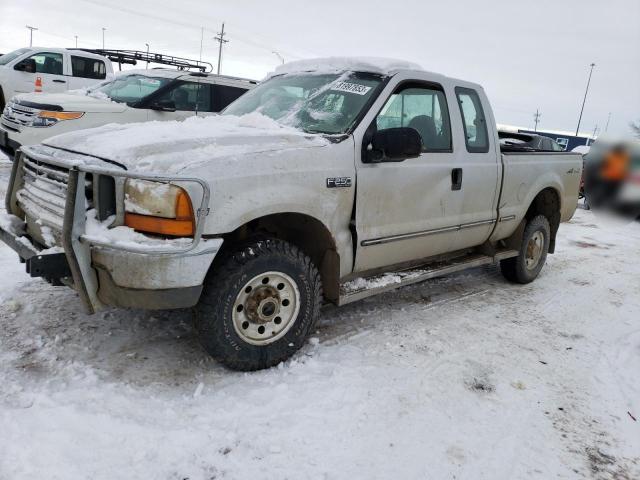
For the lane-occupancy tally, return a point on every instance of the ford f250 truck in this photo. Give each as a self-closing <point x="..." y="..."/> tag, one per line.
<point x="331" y="181"/>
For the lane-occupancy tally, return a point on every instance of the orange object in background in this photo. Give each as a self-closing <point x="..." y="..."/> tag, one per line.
<point x="615" y="165"/>
<point x="38" y="84"/>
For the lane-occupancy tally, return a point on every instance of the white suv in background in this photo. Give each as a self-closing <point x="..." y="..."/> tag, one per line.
<point x="59" y="70"/>
<point x="134" y="96"/>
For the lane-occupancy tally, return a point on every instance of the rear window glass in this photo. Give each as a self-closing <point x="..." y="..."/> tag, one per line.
<point x="223" y="95"/>
<point x="88" y="68"/>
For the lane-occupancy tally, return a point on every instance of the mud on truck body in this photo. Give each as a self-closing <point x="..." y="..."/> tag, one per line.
<point x="329" y="182"/>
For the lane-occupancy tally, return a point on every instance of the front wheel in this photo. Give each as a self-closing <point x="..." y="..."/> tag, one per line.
<point x="258" y="305"/>
<point x="533" y="252"/>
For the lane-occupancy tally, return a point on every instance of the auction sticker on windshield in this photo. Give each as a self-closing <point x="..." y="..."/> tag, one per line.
<point x="352" y="88"/>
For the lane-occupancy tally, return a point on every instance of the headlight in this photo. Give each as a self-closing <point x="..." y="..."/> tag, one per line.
<point x="46" y="118"/>
<point x="156" y="207"/>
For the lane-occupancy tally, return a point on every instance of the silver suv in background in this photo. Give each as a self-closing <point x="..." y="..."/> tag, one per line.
<point x="134" y="96"/>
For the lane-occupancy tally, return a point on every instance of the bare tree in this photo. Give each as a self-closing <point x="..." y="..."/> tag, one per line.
<point x="635" y="128"/>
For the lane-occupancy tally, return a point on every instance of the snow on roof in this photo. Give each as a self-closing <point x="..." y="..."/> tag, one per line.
<point x="340" y="64"/>
<point x="154" y="72"/>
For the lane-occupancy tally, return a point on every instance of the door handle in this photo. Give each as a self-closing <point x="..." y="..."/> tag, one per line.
<point x="60" y="81"/>
<point x="456" y="179"/>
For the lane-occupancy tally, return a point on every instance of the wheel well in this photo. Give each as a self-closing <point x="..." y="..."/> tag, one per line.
<point x="547" y="203"/>
<point x="305" y="232"/>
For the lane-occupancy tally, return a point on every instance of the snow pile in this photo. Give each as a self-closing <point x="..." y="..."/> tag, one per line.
<point x="465" y="377"/>
<point x="373" y="282"/>
<point x="174" y="146"/>
<point x="122" y="236"/>
<point x="11" y="223"/>
<point x="384" y="66"/>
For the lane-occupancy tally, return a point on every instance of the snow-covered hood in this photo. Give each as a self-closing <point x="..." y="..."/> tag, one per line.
<point x="179" y="146"/>
<point x="73" y="102"/>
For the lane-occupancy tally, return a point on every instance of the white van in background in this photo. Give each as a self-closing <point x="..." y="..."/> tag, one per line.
<point x="56" y="69"/>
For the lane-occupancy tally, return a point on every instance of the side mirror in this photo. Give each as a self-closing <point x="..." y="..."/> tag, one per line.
<point x="164" y="106"/>
<point x="394" y="145"/>
<point x="27" y="65"/>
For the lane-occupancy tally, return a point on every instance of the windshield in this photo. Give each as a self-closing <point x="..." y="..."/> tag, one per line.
<point x="9" y="57"/>
<point x="316" y="103"/>
<point x="129" y="89"/>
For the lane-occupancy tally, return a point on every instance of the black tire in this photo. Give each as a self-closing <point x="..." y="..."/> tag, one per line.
<point x="2" y="101"/>
<point x="228" y="278"/>
<point x="515" y="269"/>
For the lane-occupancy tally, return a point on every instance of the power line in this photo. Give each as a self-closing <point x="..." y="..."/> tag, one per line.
<point x="148" y="15"/>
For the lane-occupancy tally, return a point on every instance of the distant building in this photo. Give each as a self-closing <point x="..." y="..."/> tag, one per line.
<point x="567" y="139"/>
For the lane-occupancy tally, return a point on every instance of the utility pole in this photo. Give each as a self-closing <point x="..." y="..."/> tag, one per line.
<point x="606" y="127"/>
<point x="31" y="29"/>
<point x="147" y="55"/>
<point x="585" y="98"/>
<point x="76" y="40"/>
<point x="277" y="54"/>
<point x="220" y="38"/>
<point x="103" y="29"/>
<point x="536" y="118"/>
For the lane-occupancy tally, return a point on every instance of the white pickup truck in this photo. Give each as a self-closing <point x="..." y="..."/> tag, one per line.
<point x="331" y="181"/>
<point x="57" y="69"/>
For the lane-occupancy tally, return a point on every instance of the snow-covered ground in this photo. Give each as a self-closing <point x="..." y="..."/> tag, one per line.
<point x="463" y="377"/>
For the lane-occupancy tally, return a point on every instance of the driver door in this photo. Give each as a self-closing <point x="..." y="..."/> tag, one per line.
<point x="185" y="96"/>
<point x="408" y="209"/>
<point x="50" y="70"/>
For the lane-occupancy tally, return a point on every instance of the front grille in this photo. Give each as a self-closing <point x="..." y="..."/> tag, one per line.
<point x="44" y="192"/>
<point x="15" y="116"/>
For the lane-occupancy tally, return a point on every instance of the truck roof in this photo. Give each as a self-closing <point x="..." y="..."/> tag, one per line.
<point x="174" y="73"/>
<point x="380" y="65"/>
<point x="70" y="50"/>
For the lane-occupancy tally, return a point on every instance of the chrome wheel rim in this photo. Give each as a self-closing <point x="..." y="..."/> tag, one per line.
<point x="534" y="249"/>
<point x="266" y="308"/>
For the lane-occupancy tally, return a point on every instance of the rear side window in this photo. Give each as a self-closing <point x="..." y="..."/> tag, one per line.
<point x="88" y="68"/>
<point x="473" y="120"/>
<point x="223" y="95"/>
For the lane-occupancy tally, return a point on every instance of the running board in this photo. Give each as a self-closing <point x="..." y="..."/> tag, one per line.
<point x="361" y="288"/>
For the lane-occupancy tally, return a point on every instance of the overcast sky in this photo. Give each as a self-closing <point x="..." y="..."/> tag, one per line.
<point x="528" y="55"/>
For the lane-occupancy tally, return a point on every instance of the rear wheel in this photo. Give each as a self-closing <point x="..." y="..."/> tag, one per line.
<point x="258" y="305"/>
<point x="533" y="252"/>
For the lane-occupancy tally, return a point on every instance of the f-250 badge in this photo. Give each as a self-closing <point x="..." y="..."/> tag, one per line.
<point x="337" y="182"/>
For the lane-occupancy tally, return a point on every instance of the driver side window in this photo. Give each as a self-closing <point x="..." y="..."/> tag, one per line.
<point x="422" y="108"/>
<point x="48" y="63"/>
<point x="186" y="96"/>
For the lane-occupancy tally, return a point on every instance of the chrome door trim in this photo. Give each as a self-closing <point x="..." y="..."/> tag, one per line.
<point x="424" y="233"/>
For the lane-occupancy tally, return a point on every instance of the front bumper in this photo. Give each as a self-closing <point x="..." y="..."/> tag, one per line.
<point x="104" y="272"/>
<point x="6" y="141"/>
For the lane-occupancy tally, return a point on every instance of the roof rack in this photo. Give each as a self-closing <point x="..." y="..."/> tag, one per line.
<point x="132" y="57"/>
